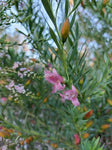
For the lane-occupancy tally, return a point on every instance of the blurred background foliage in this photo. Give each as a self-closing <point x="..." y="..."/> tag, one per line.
<point x="30" y="40"/>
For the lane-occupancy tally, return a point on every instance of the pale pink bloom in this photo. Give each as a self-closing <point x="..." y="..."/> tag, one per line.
<point x="4" y="147"/>
<point x="11" y="84"/>
<point x="16" y="65"/>
<point x="3" y="100"/>
<point x="25" y="72"/>
<point x="57" y="86"/>
<point x="55" y="79"/>
<point x="20" y="74"/>
<point x="20" y="88"/>
<point x="77" y="139"/>
<point x="22" y="69"/>
<point x="71" y="95"/>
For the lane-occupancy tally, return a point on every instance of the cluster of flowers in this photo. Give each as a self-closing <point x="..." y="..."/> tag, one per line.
<point x="22" y="71"/>
<point x="58" y="84"/>
<point x="19" y="88"/>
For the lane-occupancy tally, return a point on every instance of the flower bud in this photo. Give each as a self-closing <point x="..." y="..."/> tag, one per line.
<point x="89" y="114"/>
<point x="77" y="139"/>
<point x="109" y="102"/>
<point x="45" y="99"/>
<point x="86" y="135"/>
<point x="105" y="126"/>
<point x="88" y="124"/>
<point x="110" y="120"/>
<point x="103" y="10"/>
<point x="71" y="2"/>
<point x="105" y="2"/>
<point x="65" y="30"/>
<point x="28" y="82"/>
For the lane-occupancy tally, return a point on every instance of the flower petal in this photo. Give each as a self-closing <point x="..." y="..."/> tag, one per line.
<point x="75" y="102"/>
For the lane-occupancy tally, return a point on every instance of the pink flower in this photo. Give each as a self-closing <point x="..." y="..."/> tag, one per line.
<point x="20" y="88"/>
<point x="22" y="69"/>
<point x="55" y="79"/>
<point x="57" y="86"/>
<point x="77" y="139"/>
<point x="71" y="95"/>
<point x="20" y="74"/>
<point x="3" y="100"/>
<point x="16" y="65"/>
<point x="4" y="147"/>
<point x="11" y="84"/>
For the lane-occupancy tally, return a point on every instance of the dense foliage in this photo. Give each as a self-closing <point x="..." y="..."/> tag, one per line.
<point x="55" y="74"/>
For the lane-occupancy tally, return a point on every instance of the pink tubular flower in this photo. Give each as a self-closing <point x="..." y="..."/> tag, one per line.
<point x="55" y="79"/>
<point x="57" y="86"/>
<point x="71" y="95"/>
<point x="77" y="139"/>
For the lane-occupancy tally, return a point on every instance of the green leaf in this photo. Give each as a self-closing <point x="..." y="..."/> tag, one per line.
<point x="21" y="32"/>
<point x="16" y="4"/>
<point x="66" y="7"/>
<point x="11" y="53"/>
<point x="77" y="30"/>
<point x="28" y="18"/>
<point x="74" y="43"/>
<point x="72" y="21"/>
<point x="73" y="51"/>
<point x="94" y="144"/>
<point x="106" y="58"/>
<point x="58" y="7"/>
<point x="82" y="59"/>
<point x="49" y="11"/>
<point x="73" y="35"/>
<point x="54" y="37"/>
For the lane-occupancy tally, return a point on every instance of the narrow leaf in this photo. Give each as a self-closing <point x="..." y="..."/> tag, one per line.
<point x="77" y="30"/>
<point x="66" y="7"/>
<point x="72" y="21"/>
<point x="58" y="7"/>
<point x="49" y="11"/>
<point x="73" y="50"/>
<point x="54" y="37"/>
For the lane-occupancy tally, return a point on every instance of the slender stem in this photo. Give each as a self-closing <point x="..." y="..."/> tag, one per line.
<point x="64" y="61"/>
